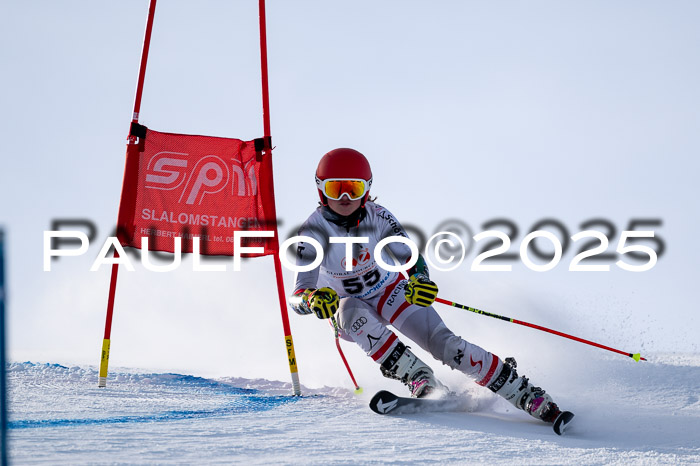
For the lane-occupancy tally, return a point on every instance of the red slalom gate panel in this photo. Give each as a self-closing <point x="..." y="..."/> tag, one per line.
<point x="187" y="186"/>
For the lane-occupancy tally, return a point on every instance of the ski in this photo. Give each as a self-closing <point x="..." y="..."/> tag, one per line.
<point x="385" y="402"/>
<point x="562" y="422"/>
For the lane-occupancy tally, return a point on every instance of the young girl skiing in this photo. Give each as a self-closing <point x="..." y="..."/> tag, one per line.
<point x="367" y="299"/>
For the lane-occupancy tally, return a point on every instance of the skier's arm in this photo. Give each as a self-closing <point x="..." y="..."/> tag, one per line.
<point x="306" y="298"/>
<point x="420" y="289"/>
<point x="389" y="226"/>
<point x="305" y="282"/>
<point x="420" y="267"/>
<point x="322" y="302"/>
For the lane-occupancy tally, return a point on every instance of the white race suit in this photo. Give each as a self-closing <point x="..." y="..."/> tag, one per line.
<point x="372" y="298"/>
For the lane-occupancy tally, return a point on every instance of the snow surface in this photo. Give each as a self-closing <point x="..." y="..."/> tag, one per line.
<point x="626" y="412"/>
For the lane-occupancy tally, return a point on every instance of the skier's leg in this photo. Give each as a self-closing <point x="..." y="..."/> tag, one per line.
<point x="364" y="326"/>
<point x="519" y="392"/>
<point x="428" y="330"/>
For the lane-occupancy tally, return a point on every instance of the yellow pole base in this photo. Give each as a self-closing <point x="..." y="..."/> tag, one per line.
<point x="296" y="386"/>
<point x="104" y="363"/>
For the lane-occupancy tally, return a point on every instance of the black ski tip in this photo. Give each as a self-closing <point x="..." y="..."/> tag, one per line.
<point x="562" y="422"/>
<point x="383" y="402"/>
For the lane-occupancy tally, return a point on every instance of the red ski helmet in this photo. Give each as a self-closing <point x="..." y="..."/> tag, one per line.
<point x="343" y="164"/>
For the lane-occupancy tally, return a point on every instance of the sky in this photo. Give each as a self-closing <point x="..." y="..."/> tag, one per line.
<point x="572" y="111"/>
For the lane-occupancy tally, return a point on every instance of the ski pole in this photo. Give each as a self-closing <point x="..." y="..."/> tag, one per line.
<point x="358" y="389"/>
<point x="634" y="356"/>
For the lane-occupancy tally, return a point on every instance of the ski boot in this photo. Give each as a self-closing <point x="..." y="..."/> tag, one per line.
<point x="519" y="392"/>
<point x="405" y="366"/>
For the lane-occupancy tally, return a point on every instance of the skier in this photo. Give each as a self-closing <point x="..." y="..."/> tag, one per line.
<point x="369" y="298"/>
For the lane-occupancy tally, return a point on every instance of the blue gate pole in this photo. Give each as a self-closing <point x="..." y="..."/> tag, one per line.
<point x="3" y="379"/>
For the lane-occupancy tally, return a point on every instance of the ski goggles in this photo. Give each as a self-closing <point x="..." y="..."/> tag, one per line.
<point x="336" y="188"/>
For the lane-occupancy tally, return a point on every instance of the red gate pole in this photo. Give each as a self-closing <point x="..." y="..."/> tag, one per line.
<point x="289" y="344"/>
<point x="104" y="358"/>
